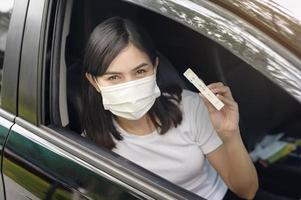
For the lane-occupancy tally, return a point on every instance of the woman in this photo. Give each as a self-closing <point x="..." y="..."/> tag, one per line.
<point x="176" y="134"/>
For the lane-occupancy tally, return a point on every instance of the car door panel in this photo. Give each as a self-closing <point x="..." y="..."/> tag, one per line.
<point x="35" y="168"/>
<point x="5" y="126"/>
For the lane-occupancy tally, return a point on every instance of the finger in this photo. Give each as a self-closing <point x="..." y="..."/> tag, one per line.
<point x="214" y="85"/>
<point x="227" y="101"/>
<point x="224" y="90"/>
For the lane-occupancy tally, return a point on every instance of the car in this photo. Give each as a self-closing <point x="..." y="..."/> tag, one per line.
<point x="254" y="47"/>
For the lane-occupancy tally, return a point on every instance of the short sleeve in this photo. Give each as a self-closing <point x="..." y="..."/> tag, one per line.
<point x="201" y="128"/>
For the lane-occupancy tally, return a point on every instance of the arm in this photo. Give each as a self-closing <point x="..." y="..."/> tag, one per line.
<point x="231" y="160"/>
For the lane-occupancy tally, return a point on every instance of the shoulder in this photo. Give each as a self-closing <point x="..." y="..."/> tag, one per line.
<point x="186" y="94"/>
<point x="192" y="106"/>
<point x="201" y="130"/>
<point x="191" y="100"/>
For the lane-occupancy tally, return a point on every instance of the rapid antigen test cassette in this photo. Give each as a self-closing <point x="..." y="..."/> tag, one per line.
<point x="205" y="91"/>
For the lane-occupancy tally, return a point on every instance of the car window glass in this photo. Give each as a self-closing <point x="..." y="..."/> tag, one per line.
<point x="5" y="15"/>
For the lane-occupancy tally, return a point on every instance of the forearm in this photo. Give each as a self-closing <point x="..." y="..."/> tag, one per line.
<point x="242" y="173"/>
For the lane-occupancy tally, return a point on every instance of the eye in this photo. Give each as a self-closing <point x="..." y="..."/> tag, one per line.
<point x="112" y="78"/>
<point x="140" y="71"/>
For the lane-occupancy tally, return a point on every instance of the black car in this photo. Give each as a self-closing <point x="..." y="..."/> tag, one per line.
<point x="254" y="47"/>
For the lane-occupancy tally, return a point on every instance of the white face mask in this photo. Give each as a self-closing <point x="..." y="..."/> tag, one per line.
<point x="131" y="100"/>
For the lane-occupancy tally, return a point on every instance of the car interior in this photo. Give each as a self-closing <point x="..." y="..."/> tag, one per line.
<point x="265" y="108"/>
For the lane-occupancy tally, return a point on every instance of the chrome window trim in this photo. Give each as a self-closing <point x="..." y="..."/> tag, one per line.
<point x="7" y="115"/>
<point x="251" y="45"/>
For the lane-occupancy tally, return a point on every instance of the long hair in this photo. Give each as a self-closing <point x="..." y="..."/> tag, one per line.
<point x="106" y="41"/>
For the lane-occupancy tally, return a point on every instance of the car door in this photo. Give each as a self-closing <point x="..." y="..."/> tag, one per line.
<point x="41" y="161"/>
<point x="12" y="17"/>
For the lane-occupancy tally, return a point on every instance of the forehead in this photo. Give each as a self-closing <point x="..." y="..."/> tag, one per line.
<point x="129" y="58"/>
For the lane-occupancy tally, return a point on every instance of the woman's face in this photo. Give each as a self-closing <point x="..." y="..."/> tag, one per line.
<point x="130" y="64"/>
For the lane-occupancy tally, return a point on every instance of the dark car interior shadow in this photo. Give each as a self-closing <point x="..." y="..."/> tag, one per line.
<point x="265" y="108"/>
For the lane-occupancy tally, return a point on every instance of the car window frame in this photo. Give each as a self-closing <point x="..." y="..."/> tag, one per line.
<point x="272" y="60"/>
<point x="269" y="45"/>
<point x="176" y="17"/>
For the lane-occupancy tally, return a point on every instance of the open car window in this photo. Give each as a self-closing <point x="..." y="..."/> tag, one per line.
<point x="61" y="109"/>
<point x="217" y="45"/>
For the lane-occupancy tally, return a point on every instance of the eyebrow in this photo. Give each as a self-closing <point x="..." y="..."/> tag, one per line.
<point x="136" y="68"/>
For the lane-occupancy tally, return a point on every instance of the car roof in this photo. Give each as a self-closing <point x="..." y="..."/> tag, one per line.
<point x="277" y="18"/>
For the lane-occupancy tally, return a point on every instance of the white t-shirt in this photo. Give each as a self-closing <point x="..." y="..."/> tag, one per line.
<point x="179" y="154"/>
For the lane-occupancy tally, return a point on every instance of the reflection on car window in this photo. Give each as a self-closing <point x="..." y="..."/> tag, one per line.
<point x="5" y="15"/>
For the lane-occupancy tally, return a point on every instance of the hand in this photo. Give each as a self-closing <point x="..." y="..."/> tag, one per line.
<point x="225" y="121"/>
